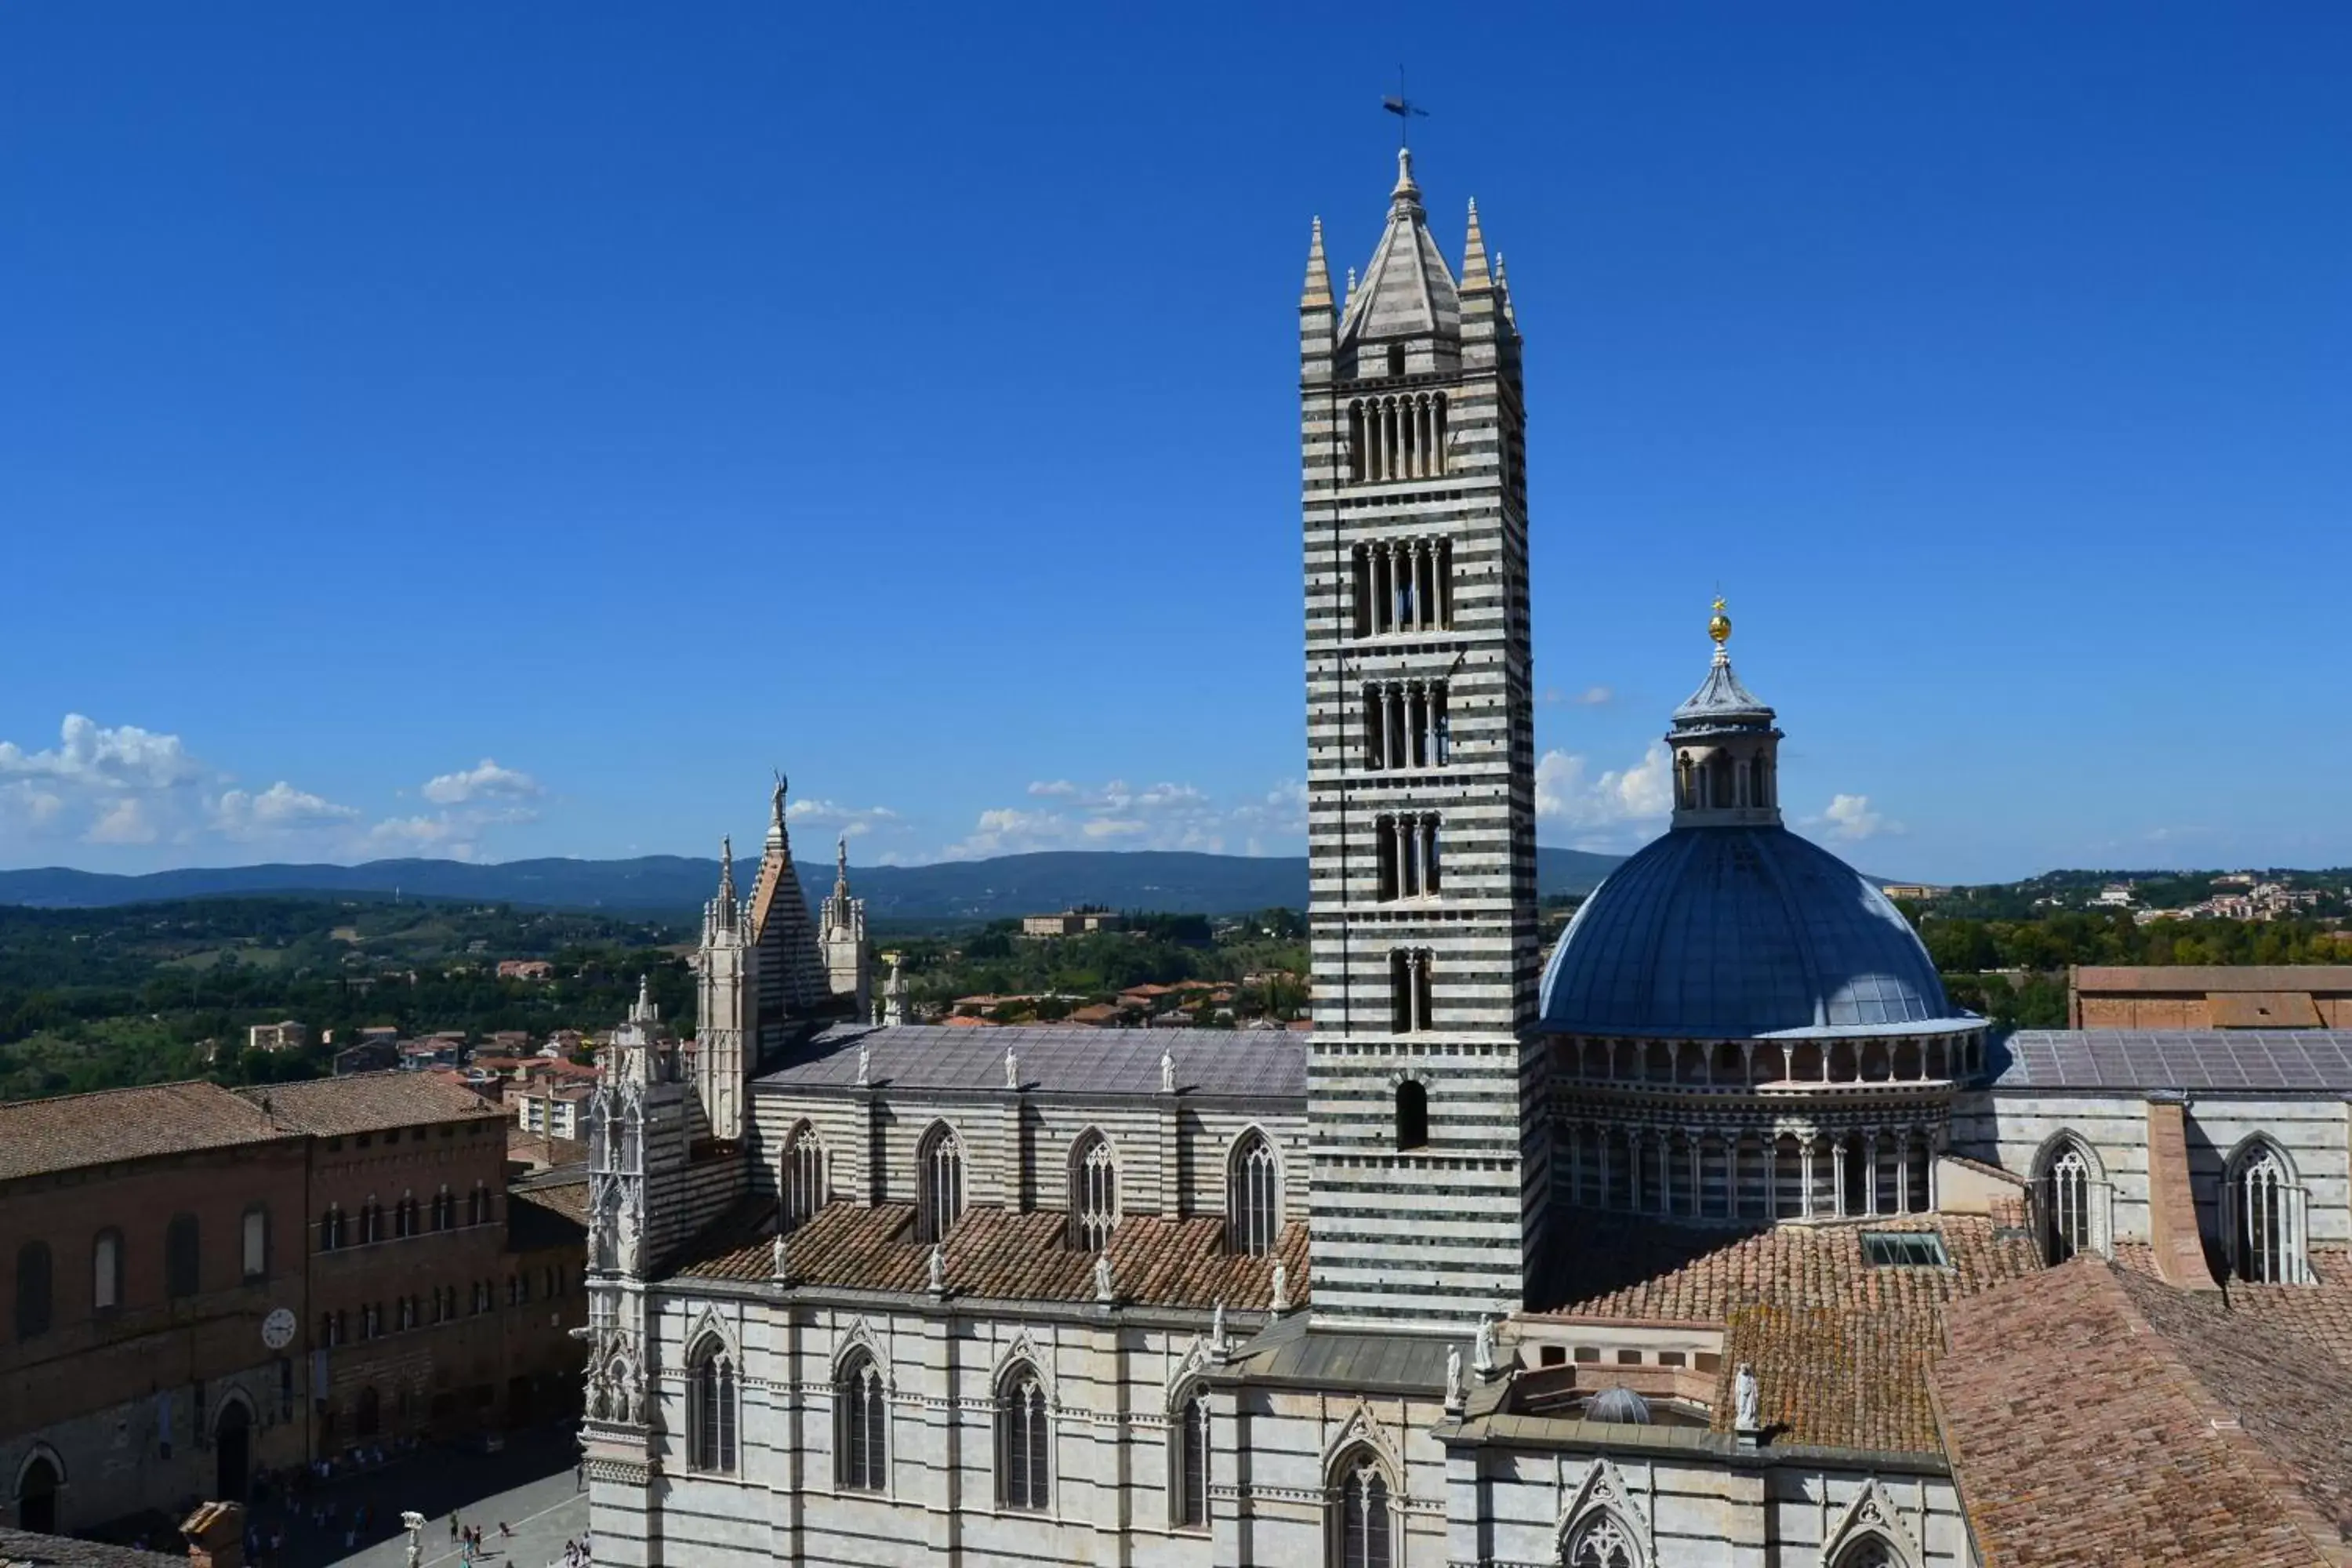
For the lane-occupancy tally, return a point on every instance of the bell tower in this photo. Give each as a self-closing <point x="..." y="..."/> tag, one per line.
<point x="1423" y="1081"/>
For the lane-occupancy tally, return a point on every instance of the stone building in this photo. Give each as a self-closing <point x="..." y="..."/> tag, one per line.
<point x="208" y="1283"/>
<point x="2210" y="996"/>
<point x="1698" y="1244"/>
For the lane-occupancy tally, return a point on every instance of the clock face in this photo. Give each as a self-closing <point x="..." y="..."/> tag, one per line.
<point x="278" y="1329"/>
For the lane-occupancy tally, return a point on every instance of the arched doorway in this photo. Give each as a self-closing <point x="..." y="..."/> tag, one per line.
<point x="233" y="1452"/>
<point x="36" y="1497"/>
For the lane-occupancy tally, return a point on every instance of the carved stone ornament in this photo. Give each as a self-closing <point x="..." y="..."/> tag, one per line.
<point x="1872" y="1512"/>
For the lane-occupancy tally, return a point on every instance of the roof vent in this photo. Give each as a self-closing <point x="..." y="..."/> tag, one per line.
<point x="1619" y="1403"/>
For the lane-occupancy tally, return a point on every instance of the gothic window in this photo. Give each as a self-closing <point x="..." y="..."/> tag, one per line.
<point x="371" y="1222"/>
<point x="444" y="1209"/>
<point x="2067" y="1203"/>
<point x="1023" y="1437"/>
<point x="1409" y="991"/>
<point x="2264" y="1247"/>
<point x="477" y="1205"/>
<point x="1360" y="1532"/>
<point x="938" y="1183"/>
<point x="33" y="1289"/>
<point x="1189" y="1462"/>
<point x="861" y="1426"/>
<point x="1869" y="1551"/>
<point x="180" y="1256"/>
<point x="330" y="1228"/>
<point x="253" y="1242"/>
<point x="1603" y="1541"/>
<point x="711" y="1409"/>
<point x="1253" y="1196"/>
<point x="1411" y="1115"/>
<point x="106" y="1271"/>
<point x="804" y="1176"/>
<point x="1094" y="1193"/>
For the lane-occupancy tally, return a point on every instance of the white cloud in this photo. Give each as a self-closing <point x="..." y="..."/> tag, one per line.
<point x="848" y="821"/>
<point x="1609" y="808"/>
<point x="1591" y="697"/>
<point x="127" y="821"/>
<point x="280" y="808"/>
<point x="1119" y="815"/>
<point x="485" y="781"/>
<point x="1851" y="818"/>
<point x="89" y="755"/>
<point x="1059" y="788"/>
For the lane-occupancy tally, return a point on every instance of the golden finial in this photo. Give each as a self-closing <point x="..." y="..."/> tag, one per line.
<point x="1719" y="629"/>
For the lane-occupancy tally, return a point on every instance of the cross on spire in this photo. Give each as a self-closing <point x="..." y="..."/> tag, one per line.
<point x="1405" y="109"/>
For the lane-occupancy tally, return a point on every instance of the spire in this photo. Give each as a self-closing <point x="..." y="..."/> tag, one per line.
<point x="1726" y="746"/>
<point x="1405" y="200"/>
<point x="841" y="867"/>
<point x="1408" y="292"/>
<point x="1502" y="291"/>
<point x="1349" y="303"/>
<point x="776" y="813"/>
<point x="727" y="869"/>
<point x="1318" y="291"/>
<point x="1474" y="277"/>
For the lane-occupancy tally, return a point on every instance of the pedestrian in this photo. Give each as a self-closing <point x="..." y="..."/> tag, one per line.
<point x="453" y="1524"/>
<point x="504" y="1533"/>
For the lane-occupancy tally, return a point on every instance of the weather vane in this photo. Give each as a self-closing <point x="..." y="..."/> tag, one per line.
<point x="1405" y="109"/>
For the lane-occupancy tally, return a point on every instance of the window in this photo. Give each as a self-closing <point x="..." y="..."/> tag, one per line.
<point x="1409" y="991"/>
<point x="445" y="1207"/>
<point x="2067" y="1203"/>
<point x="182" y="1256"/>
<point x="34" y="1292"/>
<point x="253" y="1242"/>
<point x="861" y="1426"/>
<point x="711" y="1414"/>
<point x="804" y="1176"/>
<point x="938" y="1183"/>
<point x="2264" y="1247"/>
<point x="371" y="1221"/>
<point x="404" y="1218"/>
<point x="1253" y="1196"/>
<point x="1094" y="1193"/>
<point x="330" y="1228"/>
<point x="1405" y="851"/>
<point x="1402" y="435"/>
<point x="1396" y="359"/>
<point x="1406" y="725"/>
<point x="1603" y="1541"/>
<point x="106" y="1271"/>
<point x="1189" y="1469"/>
<point x="1401" y="585"/>
<point x="1023" y="1435"/>
<point x="1360" y="1529"/>
<point x="477" y="1205"/>
<point x="1869" y="1551"/>
<point x="1904" y="1249"/>
<point x="1411" y="1115"/>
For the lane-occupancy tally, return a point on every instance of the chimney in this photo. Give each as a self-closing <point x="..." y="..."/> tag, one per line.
<point x="215" y="1535"/>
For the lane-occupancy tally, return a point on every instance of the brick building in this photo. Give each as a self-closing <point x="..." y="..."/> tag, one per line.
<point x="2210" y="996"/>
<point x="204" y="1284"/>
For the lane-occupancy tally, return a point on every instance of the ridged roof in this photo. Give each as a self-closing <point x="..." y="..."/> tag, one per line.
<point x="1407" y="291"/>
<point x="1729" y="932"/>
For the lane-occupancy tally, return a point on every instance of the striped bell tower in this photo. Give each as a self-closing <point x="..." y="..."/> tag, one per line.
<point x="1425" y="1080"/>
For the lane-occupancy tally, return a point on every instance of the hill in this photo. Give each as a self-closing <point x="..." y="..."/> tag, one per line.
<point x="1172" y="882"/>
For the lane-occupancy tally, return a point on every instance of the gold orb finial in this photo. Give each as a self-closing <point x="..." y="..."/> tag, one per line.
<point x="1719" y="629"/>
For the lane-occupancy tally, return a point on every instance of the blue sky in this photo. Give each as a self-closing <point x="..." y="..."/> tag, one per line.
<point x="512" y="430"/>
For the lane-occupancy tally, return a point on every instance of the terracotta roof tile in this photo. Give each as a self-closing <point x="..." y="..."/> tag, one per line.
<point x="367" y="1102"/>
<point x="992" y="1253"/>
<point x="75" y="1131"/>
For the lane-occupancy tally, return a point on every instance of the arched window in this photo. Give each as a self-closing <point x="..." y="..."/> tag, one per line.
<point x="37" y="1495"/>
<point x="106" y="1271"/>
<point x="1253" y="1196"/>
<point x="1601" y="1541"/>
<point x="1094" y="1193"/>
<point x="181" y="1257"/>
<point x="253" y="1242"/>
<point x="1868" y="1552"/>
<point x="1023" y="1475"/>
<point x="938" y="1183"/>
<point x="1188" y="1473"/>
<point x="861" y="1426"/>
<point x="711" y="1409"/>
<point x="330" y="1228"/>
<point x="1411" y="1115"/>
<point x="1359" y="1530"/>
<point x="444" y="1209"/>
<point x="2263" y="1233"/>
<point x="35" y="1291"/>
<point x="2065" y="1194"/>
<point x="477" y="1205"/>
<point x="803" y="1182"/>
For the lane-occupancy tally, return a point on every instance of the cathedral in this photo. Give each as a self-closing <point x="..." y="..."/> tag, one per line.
<point x="1718" y="1235"/>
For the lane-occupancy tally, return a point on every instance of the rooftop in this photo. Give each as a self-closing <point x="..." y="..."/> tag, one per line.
<point x="2200" y="978"/>
<point x="73" y="1131"/>
<point x="370" y="1102"/>
<point x="2138" y="1059"/>
<point x="1051" y="1060"/>
<point x="21" y="1549"/>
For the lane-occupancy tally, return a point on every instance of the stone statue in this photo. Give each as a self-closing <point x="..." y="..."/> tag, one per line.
<point x="1103" y="1292"/>
<point x="1217" y="1329"/>
<point x="624" y="1248"/>
<point x="783" y="1269"/>
<point x="1012" y="1069"/>
<point x="1482" y="1356"/>
<point x="1453" y="1394"/>
<point x="1281" y="1302"/>
<point x="1167" y="1072"/>
<point x="864" y="1064"/>
<point x="414" y="1522"/>
<point x="939" y="1270"/>
<point x="1745" y="1398"/>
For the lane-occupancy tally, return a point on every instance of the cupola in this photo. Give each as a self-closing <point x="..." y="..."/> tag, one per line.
<point x="1726" y="748"/>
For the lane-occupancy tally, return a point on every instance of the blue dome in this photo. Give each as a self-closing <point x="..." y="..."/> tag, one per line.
<point x="1730" y="933"/>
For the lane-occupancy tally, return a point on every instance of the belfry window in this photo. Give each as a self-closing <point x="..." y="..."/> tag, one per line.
<point x="938" y="1183"/>
<point x="1406" y="725"/>
<point x="1403" y="585"/>
<point x="1409" y="991"/>
<point x="1399" y="436"/>
<point x="1253" y="1197"/>
<point x="1094" y="1193"/>
<point x="1405" y="855"/>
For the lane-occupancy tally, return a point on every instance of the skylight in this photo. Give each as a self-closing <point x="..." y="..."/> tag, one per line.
<point x="1904" y="1249"/>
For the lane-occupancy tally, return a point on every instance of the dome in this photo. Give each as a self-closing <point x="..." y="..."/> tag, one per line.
<point x="1728" y="932"/>
<point x="1618" y="1402"/>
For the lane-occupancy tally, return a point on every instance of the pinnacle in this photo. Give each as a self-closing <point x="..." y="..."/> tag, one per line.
<point x="1318" y="273"/>
<point x="1474" y="254"/>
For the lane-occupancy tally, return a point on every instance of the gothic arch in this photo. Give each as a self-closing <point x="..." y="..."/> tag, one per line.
<point x="1362" y="1429"/>
<point x="1603" y="1498"/>
<point x="38" y="1452"/>
<point x="2262" y="1213"/>
<point x="235" y="1394"/>
<point x="1092" y="1180"/>
<point x="1186" y="1375"/>
<point x="1022" y="1350"/>
<point x="1870" y="1520"/>
<point x="860" y="1336"/>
